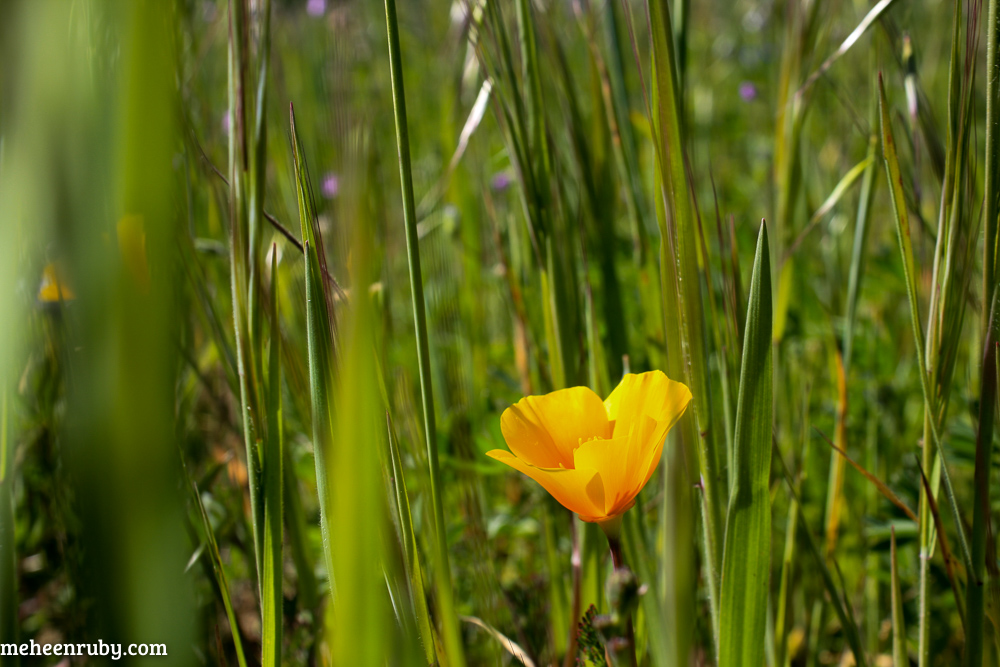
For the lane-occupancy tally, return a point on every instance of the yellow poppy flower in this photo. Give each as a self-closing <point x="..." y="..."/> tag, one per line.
<point x="593" y="456"/>
<point x="54" y="288"/>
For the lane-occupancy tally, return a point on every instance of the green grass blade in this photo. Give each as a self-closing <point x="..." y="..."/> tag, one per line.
<point x="361" y="630"/>
<point x="449" y="621"/>
<point x="873" y="14"/>
<point x="992" y="162"/>
<point x="220" y="576"/>
<point x="411" y="551"/>
<point x="747" y="554"/>
<point x="320" y="343"/>
<point x="909" y="273"/>
<point x="241" y="266"/>
<point x="867" y="196"/>
<point x="679" y="263"/>
<point x="975" y="625"/>
<point x="899" y="656"/>
<point x="273" y="464"/>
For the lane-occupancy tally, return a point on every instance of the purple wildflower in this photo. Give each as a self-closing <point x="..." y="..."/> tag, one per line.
<point x="331" y="185"/>
<point x="748" y="91"/>
<point x="316" y="7"/>
<point x="501" y="181"/>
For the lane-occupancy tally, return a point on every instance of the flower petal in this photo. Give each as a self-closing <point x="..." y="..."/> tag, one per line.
<point x="544" y="430"/>
<point x="578" y="490"/>
<point x="623" y="462"/>
<point x="652" y="394"/>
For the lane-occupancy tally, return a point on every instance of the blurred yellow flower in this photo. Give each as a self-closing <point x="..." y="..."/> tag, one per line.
<point x="53" y="288"/>
<point x="593" y="456"/>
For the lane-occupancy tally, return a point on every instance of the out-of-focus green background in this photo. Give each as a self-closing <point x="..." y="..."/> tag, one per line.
<point x="125" y="504"/>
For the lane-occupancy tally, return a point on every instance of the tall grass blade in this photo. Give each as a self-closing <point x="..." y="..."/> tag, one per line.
<point x="320" y="343"/>
<point x="361" y="631"/>
<point x="899" y="654"/>
<point x="975" y="627"/>
<point x="894" y="178"/>
<point x="242" y="260"/>
<point x="221" y="580"/>
<point x="746" y="560"/>
<point x="449" y="622"/>
<point x="679" y="266"/>
<point x="273" y="460"/>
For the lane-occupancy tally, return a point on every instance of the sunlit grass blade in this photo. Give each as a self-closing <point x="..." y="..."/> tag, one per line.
<point x="273" y="459"/>
<point x="747" y="556"/>
<point x="361" y="630"/>
<point x="873" y="14"/>
<point x="835" y="196"/>
<point x="449" y="622"/>
<point x="899" y="653"/>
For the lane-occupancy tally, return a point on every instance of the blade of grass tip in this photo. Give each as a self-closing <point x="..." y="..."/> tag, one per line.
<point x="220" y="575"/>
<point x="746" y="559"/>
<point x="879" y="484"/>
<point x="949" y="560"/>
<point x="449" y="622"/>
<point x="895" y="181"/>
<point x="319" y="343"/>
<point x="976" y="589"/>
<point x="273" y="462"/>
<point x="899" y="656"/>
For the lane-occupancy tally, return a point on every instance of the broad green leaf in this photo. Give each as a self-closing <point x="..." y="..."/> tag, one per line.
<point x="747" y="552"/>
